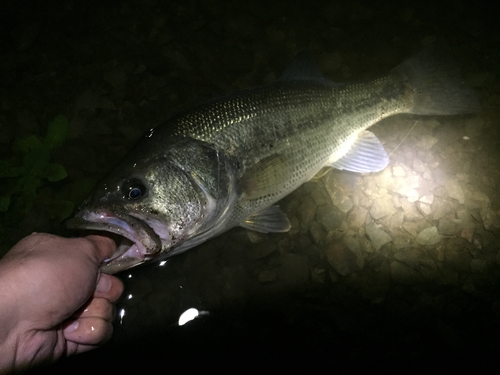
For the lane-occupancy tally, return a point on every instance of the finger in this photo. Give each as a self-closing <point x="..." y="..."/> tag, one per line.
<point x="88" y="331"/>
<point x="109" y="287"/>
<point x="98" y="308"/>
<point x="105" y="246"/>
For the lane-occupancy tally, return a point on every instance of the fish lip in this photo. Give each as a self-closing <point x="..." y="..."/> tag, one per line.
<point x="144" y="242"/>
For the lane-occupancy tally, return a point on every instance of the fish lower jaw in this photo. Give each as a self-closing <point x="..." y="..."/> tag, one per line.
<point x="127" y="255"/>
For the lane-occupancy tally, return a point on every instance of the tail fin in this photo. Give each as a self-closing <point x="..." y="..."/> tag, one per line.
<point x="436" y="84"/>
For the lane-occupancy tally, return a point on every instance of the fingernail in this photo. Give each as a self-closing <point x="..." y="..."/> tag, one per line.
<point x="104" y="284"/>
<point x="73" y="326"/>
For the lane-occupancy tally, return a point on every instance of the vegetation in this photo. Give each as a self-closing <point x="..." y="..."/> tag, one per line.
<point x="35" y="190"/>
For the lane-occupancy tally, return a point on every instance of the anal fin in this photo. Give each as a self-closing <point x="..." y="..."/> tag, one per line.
<point x="366" y="154"/>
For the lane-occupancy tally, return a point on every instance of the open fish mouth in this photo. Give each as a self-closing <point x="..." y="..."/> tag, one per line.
<point x="136" y="241"/>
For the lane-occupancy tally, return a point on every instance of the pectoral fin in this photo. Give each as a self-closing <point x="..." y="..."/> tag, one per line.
<point x="270" y="219"/>
<point x="268" y="176"/>
<point x="365" y="155"/>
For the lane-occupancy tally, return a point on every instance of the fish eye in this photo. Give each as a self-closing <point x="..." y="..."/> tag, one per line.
<point x="133" y="189"/>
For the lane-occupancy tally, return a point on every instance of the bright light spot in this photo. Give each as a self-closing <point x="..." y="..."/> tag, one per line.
<point x="130" y="276"/>
<point x="163" y="262"/>
<point x="466" y="138"/>
<point x="188" y="315"/>
<point x="92" y="328"/>
<point x="121" y="315"/>
<point x="129" y="296"/>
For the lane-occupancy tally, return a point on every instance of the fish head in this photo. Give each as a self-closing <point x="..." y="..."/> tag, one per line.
<point x="149" y="205"/>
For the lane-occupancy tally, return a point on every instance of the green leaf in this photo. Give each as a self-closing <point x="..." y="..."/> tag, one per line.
<point x="55" y="172"/>
<point x="56" y="132"/>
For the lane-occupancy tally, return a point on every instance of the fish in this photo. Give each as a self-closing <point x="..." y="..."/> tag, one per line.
<point x="228" y="162"/>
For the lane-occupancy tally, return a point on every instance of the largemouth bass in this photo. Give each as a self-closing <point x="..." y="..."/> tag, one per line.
<point x="228" y="162"/>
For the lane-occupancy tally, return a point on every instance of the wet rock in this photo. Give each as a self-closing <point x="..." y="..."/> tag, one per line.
<point x="382" y="207"/>
<point x="318" y="275"/>
<point x="355" y="246"/>
<point x="427" y="199"/>
<point x="338" y="187"/>
<point x="424" y="209"/>
<point x="449" y="226"/>
<point x="455" y="191"/>
<point x="478" y="266"/>
<point x="477" y="200"/>
<point x="343" y="260"/>
<point x="448" y="277"/>
<point x="317" y="232"/>
<point x="306" y="212"/>
<point x="293" y="270"/>
<point x="366" y="245"/>
<point x="441" y="207"/>
<point x="320" y="196"/>
<point x="370" y="188"/>
<point x="491" y="220"/>
<point x="256" y="237"/>
<point x="429" y="269"/>
<point x="410" y="210"/>
<point x="418" y="165"/>
<point x="360" y="199"/>
<point x="262" y="250"/>
<point x="340" y="200"/>
<point x="464" y="215"/>
<point x="336" y="234"/>
<point x="384" y="178"/>
<point x="267" y="276"/>
<point x="403" y="274"/>
<point x="394" y="221"/>
<point x="284" y="245"/>
<point x="395" y="201"/>
<point x="408" y="256"/>
<point x="457" y="261"/>
<point x="357" y="217"/>
<point x="377" y="236"/>
<point x="398" y="171"/>
<point x="429" y="237"/>
<point x="426" y="142"/>
<point x="415" y="227"/>
<point x="468" y="234"/>
<point x="330" y="217"/>
<point x="407" y="186"/>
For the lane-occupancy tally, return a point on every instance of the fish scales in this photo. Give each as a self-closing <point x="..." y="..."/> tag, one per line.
<point x="306" y="122"/>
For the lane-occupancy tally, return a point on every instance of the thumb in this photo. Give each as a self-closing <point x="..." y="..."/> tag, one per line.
<point x="104" y="246"/>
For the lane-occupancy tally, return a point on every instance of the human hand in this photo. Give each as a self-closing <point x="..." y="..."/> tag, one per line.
<point x="54" y="300"/>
